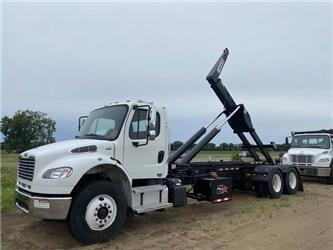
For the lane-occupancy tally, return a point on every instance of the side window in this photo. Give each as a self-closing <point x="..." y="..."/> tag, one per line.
<point x="158" y="124"/>
<point x="138" y="128"/>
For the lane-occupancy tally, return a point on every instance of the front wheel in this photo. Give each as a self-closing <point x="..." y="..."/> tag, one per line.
<point x="98" y="212"/>
<point x="330" y="178"/>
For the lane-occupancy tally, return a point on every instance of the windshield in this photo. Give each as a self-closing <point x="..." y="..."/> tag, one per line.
<point x="311" y="141"/>
<point x="104" y="123"/>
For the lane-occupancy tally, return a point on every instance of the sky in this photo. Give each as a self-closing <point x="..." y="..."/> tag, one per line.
<point x="66" y="59"/>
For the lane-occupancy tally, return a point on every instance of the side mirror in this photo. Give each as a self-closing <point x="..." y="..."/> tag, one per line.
<point x="287" y="141"/>
<point x="82" y="120"/>
<point x="151" y="125"/>
<point x="151" y="118"/>
<point x="151" y="135"/>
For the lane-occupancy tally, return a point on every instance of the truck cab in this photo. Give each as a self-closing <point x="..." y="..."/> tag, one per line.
<point x="136" y="130"/>
<point x="312" y="152"/>
<point x="126" y="143"/>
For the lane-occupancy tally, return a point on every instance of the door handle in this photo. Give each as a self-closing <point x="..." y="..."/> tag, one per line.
<point x="160" y="156"/>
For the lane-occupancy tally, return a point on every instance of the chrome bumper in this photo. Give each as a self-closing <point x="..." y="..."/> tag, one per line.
<point x="315" y="172"/>
<point x="54" y="208"/>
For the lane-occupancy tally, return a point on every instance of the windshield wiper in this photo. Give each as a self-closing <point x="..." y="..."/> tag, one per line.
<point x="316" y="147"/>
<point x="92" y="134"/>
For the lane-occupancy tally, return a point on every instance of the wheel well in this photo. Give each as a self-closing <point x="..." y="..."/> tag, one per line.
<point x="106" y="172"/>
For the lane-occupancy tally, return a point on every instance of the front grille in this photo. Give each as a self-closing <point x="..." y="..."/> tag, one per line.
<point x="26" y="168"/>
<point x="302" y="158"/>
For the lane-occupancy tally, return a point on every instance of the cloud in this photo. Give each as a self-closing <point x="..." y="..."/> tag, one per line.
<point x="68" y="58"/>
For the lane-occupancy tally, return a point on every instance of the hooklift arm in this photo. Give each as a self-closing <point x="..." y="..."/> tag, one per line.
<point x="237" y="117"/>
<point x="241" y="121"/>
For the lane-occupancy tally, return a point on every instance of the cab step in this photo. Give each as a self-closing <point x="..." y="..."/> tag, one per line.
<point x="150" y="198"/>
<point x="149" y="208"/>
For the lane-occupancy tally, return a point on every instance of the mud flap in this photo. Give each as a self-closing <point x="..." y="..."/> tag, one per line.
<point x="300" y="186"/>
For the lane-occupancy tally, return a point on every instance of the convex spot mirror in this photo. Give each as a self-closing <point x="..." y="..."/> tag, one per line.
<point x="151" y="125"/>
<point x="82" y="120"/>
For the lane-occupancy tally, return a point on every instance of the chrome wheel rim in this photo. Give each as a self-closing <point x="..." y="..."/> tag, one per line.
<point x="276" y="183"/>
<point x="101" y="212"/>
<point x="292" y="180"/>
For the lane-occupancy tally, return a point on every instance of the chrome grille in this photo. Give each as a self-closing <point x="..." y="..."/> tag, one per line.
<point x="26" y="168"/>
<point x="302" y="158"/>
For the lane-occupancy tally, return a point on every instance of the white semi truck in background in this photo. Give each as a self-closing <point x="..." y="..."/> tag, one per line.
<point x="312" y="153"/>
<point x="119" y="165"/>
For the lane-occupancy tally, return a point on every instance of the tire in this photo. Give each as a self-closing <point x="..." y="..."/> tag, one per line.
<point x="330" y="179"/>
<point x="98" y="212"/>
<point x="275" y="185"/>
<point x="291" y="181"/>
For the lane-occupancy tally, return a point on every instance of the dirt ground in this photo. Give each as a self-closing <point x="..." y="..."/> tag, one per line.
<point x="304" y="221"/>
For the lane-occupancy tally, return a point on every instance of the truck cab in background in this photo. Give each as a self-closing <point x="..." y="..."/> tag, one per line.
<point x="312" y="152"/>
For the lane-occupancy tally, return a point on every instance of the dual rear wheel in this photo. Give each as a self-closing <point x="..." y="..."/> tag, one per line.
<point x="278" y="183"/>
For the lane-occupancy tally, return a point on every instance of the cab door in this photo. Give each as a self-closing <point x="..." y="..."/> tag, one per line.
<point x="144" y="158"/>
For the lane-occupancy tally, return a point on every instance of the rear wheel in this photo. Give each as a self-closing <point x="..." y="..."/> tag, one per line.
<point x="275" y="185"/>
<point x="98" y="212"/>
<point x="291" y="181"/>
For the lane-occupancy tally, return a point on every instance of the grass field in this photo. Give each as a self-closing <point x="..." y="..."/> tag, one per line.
<point x="8" y="181"/>
<point x="8" y="158"/>
<point x="8" y="173"/>
<point x="226" y="155"/>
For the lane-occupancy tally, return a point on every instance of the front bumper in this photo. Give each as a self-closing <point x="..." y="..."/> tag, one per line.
<point x="54" y="208"/>
<point x="315" y="171"/>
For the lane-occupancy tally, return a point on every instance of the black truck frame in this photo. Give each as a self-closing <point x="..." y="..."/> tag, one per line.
<point x="214" y="181"/>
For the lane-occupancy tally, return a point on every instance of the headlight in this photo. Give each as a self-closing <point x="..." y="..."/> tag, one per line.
<point x="57" y="173"/>
<point x="284" y="159"/>
<point x="324" y="160"/>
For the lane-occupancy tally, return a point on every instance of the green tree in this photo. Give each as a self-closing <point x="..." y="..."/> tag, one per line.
<point x="209" y="147"/>
<point x="27" y="129"/>
<point x="176" y="144"/>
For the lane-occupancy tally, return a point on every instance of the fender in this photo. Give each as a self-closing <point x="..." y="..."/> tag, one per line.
<point x="114" y="171"/>
<point x="81" y="164"/>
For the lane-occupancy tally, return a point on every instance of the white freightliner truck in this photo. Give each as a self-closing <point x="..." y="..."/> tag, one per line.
<point x="119" y="165"/>
<point x="312" y="153"/>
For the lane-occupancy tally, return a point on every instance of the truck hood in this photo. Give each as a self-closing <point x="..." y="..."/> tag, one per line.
<point x="306" y="151"/>
<point x="48" y="153"/>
